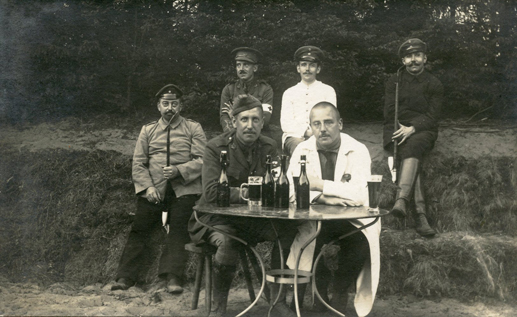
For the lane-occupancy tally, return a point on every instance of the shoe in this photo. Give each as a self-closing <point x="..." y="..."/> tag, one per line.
<point x="339" y="302"/>
<point x="174" y="285"/>
<point x="422" y="227"/>
<point x="122" y="284"/>
<point x="159" y="287"/>
<point x="282" y="310"/>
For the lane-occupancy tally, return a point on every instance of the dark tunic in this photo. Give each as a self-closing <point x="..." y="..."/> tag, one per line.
<point x="238" y="170"/>
<point x="257" y="88"/>
<point x="420" y="101"/>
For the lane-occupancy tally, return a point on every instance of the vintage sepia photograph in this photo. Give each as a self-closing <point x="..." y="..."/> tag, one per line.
<point x="258" y="158"/>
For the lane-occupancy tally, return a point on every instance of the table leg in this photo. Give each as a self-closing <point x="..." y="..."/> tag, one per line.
<point x="257" y="255"/>
<point x="320" y="254"/>
<point x="298" y="258"/>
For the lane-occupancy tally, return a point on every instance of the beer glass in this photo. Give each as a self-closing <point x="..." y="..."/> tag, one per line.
<point x="254" y="191"/>
<point x="374" y="188"/>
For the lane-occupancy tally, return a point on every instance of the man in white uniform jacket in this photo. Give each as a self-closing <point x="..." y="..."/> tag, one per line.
<point x="298" y="100"/>
<point x="338" y="168"/>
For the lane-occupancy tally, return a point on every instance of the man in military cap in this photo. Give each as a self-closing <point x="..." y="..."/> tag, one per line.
<point x="246" y="64"/>
<point x="298" y="100"/>
<point x="247" y="150"/>
<point x="420" y="102"/>
<point x="167" y="177"/>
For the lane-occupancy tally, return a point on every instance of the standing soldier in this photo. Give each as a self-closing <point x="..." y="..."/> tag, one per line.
<point x="246" y="64"/>
<point x="420" y="100"/>
<point x="298" y="100"/>
<point x="167" y="177"/>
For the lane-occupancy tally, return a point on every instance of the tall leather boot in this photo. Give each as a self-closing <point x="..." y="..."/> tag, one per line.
<point x="281" y="308"/>
<point x="223" y="277"/>
<point x="406" y="180"/>
<point x="421" y="225"/>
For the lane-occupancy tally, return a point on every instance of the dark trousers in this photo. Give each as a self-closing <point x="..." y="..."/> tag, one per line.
<point x="253" y="231"/>
<point x="148" y="217"/>
<point x="355" y="251"/>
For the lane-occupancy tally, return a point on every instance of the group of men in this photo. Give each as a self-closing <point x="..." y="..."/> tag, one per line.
<point x="174" y="168"/>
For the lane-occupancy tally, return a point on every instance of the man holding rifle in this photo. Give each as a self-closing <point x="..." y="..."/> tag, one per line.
<point x="167" y="177"/>
<point x="413" y="101"/>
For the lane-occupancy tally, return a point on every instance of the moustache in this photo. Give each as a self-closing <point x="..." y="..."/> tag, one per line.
<point x="242" y="72"/>
<point x="249" y="132"/>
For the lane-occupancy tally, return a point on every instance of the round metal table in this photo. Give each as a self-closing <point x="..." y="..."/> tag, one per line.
<point x="315" y="213"/>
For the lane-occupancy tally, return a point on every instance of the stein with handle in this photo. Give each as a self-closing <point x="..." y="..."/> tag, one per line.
<point x="254" y="186"/>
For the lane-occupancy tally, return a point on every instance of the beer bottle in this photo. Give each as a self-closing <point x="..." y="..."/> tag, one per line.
<point x="223" y="187"/>
<point x="268" y="185"/>
<point x="303" y="187"/>
<point x="282" y="186"/>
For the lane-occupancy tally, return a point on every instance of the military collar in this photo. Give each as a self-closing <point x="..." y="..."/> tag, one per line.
<point x="408" y="77"/>
<point x="252" y="83"/>
<point x="245" y="147"/>
<point x="313" y="84"/>
<point x="174" y="124"/>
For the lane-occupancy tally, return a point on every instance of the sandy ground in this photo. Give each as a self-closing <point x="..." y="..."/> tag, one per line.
<point x="467" y="141"/>
<point x="62" y="299"/>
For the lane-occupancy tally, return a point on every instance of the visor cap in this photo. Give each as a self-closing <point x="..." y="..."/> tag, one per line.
<point x="247" y="54"/>
<point x="170" y="92"/>
<point x="309" y="53"/>
<point x="412" y="46"/>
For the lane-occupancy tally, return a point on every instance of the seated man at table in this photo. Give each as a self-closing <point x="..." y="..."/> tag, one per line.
<point x="247" y="150"/>
<point x="338" y="168"/>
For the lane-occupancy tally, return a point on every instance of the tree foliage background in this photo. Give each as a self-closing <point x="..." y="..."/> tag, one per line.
<point x="109" y="57"/>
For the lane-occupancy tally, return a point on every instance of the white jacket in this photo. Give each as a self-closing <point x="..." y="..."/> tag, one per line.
<point x="297" y="103"/>
<point x="353" y="159"/>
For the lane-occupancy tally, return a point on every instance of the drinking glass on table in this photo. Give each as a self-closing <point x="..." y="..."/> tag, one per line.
<point x="374" y="188"/>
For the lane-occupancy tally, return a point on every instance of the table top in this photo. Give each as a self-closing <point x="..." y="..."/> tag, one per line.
<point x="315" y="212"/>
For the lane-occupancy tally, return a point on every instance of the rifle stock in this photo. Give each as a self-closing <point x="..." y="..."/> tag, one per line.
<point x="396" y="126"/>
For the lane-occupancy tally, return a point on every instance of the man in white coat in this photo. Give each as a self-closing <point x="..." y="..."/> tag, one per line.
<point x="298" y="100"/>
<point x="338" y="168"/>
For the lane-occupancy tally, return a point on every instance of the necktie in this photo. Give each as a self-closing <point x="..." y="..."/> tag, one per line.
<point x="328" y="170"/>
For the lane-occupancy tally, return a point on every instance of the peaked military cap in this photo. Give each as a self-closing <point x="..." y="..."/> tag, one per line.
<point x="411" y="46"/>
<point x="244" y="103"/>
<point x="169" y="91"/>
<point x="247" y="54"/>
<point x="309" y="54"/>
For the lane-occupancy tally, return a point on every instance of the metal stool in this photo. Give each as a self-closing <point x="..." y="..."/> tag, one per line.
<point x="206" y="250"/>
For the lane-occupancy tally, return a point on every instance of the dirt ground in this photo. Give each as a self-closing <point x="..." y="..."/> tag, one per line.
<point x="470" y="141"/>
<point x="62" y="299"/>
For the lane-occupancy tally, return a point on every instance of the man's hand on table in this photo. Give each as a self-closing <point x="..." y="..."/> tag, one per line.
<point x="336" y="201"/>
<point x="316" y="183"/>
<point x="152" y="195"/>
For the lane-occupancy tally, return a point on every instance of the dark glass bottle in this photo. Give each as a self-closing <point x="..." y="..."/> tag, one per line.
<point x="268" y="185"/>
<point x="303" y="187"/>
<point x="223" y="187"/>
<point x="282" y="186"/>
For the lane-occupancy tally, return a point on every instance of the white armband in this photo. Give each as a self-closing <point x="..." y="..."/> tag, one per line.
<point x="267" y="108"/>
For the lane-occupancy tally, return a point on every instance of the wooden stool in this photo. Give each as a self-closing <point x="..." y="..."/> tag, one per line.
<point x="206" y="250"/>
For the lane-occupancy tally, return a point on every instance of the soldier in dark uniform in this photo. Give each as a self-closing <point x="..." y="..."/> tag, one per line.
<point x="178" y="184"/>
<point x="246" y="64"/>
<point x="420" y="101"/>
<point x="247" y="150"/>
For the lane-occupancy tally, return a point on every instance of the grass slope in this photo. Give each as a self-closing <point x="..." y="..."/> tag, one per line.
<point x="66" y="214"/>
